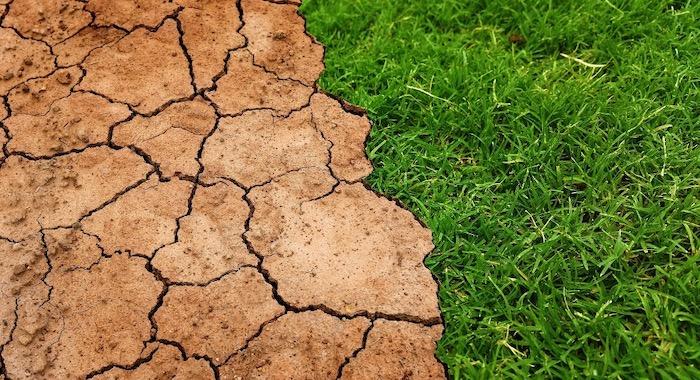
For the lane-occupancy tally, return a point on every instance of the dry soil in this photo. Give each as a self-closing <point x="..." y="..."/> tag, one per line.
<point x="179" y="200"/>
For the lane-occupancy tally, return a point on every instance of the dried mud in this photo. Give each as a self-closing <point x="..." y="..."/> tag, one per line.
<point x="180" y="201"/>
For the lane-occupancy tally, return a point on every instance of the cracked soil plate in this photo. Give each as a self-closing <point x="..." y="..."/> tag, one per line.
<point x="180" y="201"/>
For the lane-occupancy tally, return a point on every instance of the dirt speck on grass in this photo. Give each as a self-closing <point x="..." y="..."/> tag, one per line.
<point x="181" y="201"/>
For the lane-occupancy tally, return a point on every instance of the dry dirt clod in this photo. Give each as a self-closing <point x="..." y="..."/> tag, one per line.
<point x="35" y="96"/>
<point x="3" y="110"/>
<point x="51" y="21"/>
<point x="13" y="51"/>
<point x="351" y="251"/>
<point x="3" y="142"/>
<point x="71" y="249"/>
<point x="348" y="133"/>
<point x="210" y="30"/>
<point x="22" y="266"/>
<point x="58" y="192"/>
<point x="143" y="219"/>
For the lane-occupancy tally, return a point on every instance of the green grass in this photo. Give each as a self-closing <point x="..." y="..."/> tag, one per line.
<point x="563" y="198"/>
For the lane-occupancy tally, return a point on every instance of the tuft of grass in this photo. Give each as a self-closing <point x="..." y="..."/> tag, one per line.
<point x="553" y="147"/>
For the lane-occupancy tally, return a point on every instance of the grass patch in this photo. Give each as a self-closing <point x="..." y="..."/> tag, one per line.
<point x="553" y="147"/>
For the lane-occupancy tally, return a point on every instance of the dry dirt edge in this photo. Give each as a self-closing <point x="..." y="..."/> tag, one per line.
<point x="156" y="172"/>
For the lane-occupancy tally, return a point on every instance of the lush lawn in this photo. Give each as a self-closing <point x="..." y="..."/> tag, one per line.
<point x="554" y="149"/>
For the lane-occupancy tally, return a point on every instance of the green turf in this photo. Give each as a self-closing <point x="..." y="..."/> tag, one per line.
<point x="562" y="191"/>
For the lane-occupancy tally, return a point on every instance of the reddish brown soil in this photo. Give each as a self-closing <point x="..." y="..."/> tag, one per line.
<point x="179" y="200"/>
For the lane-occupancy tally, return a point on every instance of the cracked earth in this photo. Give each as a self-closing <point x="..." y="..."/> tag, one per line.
<point x="179" y="200"/>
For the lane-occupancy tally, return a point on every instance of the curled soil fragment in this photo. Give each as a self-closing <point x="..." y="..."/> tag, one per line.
<point x="180" y="201"/>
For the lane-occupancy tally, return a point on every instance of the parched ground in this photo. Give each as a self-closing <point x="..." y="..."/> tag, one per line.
<point x="179" y="200"/>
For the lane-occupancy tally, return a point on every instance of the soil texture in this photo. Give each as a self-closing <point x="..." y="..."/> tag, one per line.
<point x="180" y="201"/>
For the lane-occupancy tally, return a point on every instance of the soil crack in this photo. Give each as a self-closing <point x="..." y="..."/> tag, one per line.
<point x="176" y="177"/>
